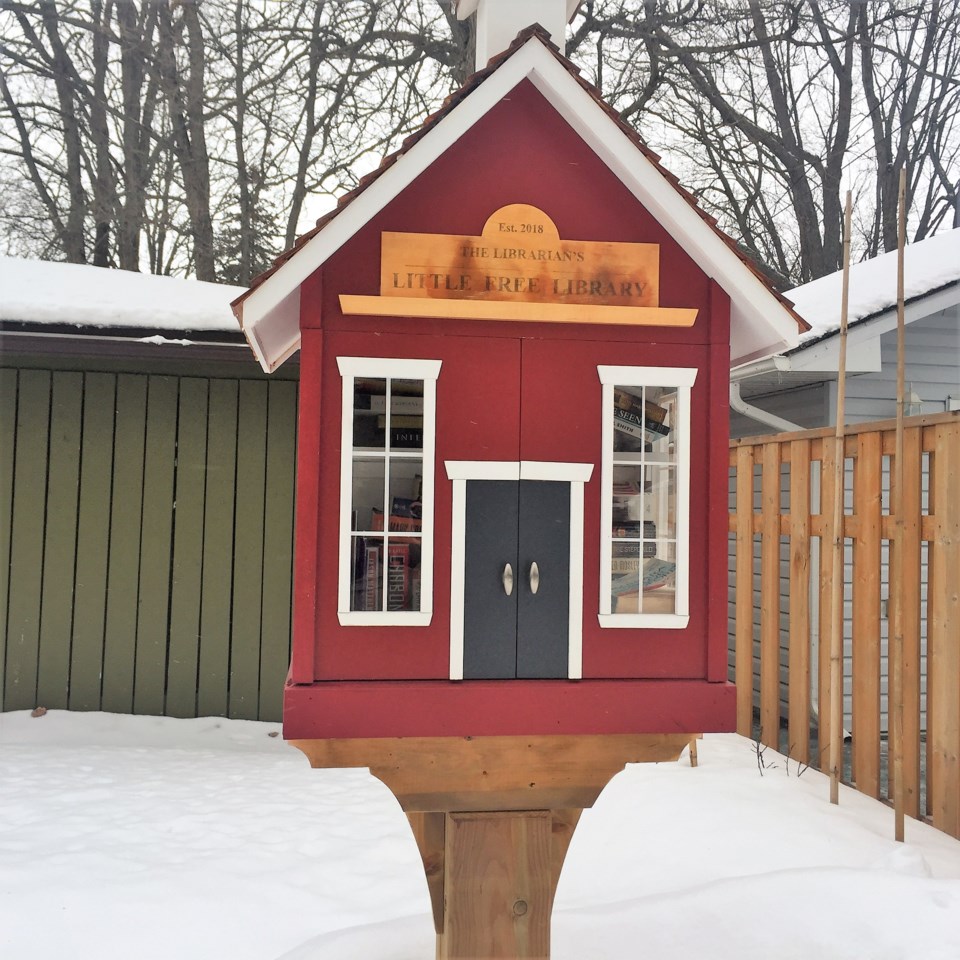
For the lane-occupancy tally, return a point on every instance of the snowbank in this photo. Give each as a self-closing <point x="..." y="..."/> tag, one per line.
<point x="204" y="839"/>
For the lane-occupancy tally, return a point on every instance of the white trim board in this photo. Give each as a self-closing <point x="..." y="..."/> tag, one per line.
<point x="760" y="324"/>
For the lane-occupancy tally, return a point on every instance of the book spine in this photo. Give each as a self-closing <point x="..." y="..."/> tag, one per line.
<point x="398" y="404"/>
<point x="398" y="566"/>
<point x="371" y="578"/>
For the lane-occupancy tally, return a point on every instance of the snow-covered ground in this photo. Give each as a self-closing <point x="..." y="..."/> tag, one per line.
<point x="143" y="837"/>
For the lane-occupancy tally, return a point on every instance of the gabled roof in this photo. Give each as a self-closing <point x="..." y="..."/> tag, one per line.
<point x="762" y="321"/>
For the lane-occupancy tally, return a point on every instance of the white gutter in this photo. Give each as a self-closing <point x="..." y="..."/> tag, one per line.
<point x="739" y="405"/>
<point x="758" y="368"/>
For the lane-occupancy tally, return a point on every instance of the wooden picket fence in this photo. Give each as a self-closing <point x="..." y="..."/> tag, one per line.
<point x="778" y="511"/>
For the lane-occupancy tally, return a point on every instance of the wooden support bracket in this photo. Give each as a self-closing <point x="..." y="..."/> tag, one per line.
<point x="493" y="818"/>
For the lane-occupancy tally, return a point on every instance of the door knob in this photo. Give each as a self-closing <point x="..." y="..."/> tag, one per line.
<point x="507" y="579"/>
<point x="534" y="577"/>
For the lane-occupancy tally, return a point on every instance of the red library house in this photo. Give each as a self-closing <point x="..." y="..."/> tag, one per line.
<point x="515" y="341"/>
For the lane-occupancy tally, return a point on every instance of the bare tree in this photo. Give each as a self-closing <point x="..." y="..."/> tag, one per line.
<point x="770" y="110"/>
<point x="201" y="137"/>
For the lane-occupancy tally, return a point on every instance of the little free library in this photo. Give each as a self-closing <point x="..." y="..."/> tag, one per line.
<point x="511" y="537"/>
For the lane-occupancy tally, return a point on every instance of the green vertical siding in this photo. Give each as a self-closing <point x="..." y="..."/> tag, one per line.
<point x="93" y="541"/>
<point x="123" y="572"/>
<point x="26" y="539"/>
<point x="60" y="538"/>
<point x="277" y="537"/>
<point x="248" y="550"/>
<point x="8" y="440"/>
<point x="156" y="537"/>
<point x="146" y="542"/>
<point x="221" y="482"/>
<point x="185" y="586"/>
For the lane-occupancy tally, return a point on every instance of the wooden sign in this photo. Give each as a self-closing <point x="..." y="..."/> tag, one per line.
<point x="520" y="257"/>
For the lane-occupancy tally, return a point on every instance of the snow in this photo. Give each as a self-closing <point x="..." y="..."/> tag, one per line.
<point x="155" y="838"/>
<point x="36" y="291"/>
<point x="927" y="265"/>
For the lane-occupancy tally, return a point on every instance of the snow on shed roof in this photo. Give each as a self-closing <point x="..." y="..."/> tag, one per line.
<point x="72" y="294"/>
<point x="928" y="265"/>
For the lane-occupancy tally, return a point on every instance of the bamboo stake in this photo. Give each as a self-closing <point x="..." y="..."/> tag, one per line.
<point x="895" y="653"/>
<point x="836" y="592"/>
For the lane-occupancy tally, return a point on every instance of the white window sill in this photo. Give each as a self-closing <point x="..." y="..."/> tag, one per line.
<point x="391" y="618"/>
<point x="649" y="621"/>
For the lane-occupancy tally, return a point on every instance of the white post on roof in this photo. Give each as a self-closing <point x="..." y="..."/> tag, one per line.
<point x="499" y="22"/>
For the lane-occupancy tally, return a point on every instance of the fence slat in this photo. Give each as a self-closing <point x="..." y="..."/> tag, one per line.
<point x="123" y="573"/>
<point x="248" y="551"/>
<point x="944" y="636"/>
<point x="865" y="666"/>
<point x="770" y="598"/>
<point x="744" y="592"/>
<point x="149" y="679"/>
<point x="219" y="498"/>
<point x="60" y="539"/>
<point x="8" y="421"/>
<point x="26" y="540"/>
<point x="910" y="621"/>
<point x="828" y="491"/>
<point x="278" y="547"/>
<point x="93" y="526"/>
<point x="185" y="596"/>
<point x="798" y="701"/>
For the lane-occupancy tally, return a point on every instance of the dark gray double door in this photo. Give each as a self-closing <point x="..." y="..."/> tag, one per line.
<point x="516" y="579"/>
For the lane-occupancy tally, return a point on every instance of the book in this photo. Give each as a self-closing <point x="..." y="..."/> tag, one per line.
<point x="398" y="522"/>
<point x="635" y="528"/>
<point x="398" y="575"/>
<point x="624" y="400"/>
<point x="403" y="507"/>
<point x="632" y="426"/>
<point x="399" y="404"/>
<point x="406" y="438"/>
<point x="656" y="574"/>
<point x="631" y="549"/>
<point x="371" y="578"/>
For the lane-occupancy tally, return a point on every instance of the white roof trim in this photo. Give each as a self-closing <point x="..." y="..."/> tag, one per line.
<point x="760" y="324"/>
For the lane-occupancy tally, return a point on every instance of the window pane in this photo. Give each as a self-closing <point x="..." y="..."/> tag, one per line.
<point x="406" y="508"/>
<point x="406" y="415"/>
<point x="659" y="579"/>
<point x="369" y="410"/>
<point x="369" y="474"/>
<point x="660" y="500"/>
<point x="403" y="573"/>
<point x="366" y="573"/>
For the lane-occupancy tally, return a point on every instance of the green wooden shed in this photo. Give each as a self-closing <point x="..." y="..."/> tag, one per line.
<point x="146" y="498"/>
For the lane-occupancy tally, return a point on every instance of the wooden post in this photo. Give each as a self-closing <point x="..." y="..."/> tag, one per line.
<point x="493" y="818"/>
<point x="897" y="593"/>
<point x="836" y="592"/>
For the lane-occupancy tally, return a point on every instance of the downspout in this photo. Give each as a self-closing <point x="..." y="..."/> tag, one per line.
<point x="739" y="405"/>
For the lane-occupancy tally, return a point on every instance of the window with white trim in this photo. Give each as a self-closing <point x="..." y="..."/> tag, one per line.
<point x="645" y="496"/>
<point x="388" y="436"/>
